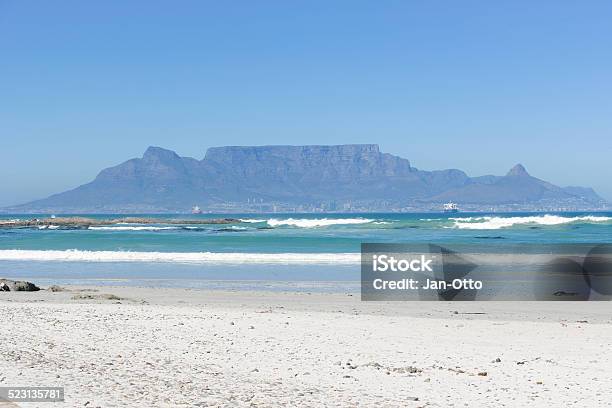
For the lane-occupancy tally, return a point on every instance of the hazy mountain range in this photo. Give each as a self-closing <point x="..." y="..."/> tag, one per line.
<point x="285" y="178"/>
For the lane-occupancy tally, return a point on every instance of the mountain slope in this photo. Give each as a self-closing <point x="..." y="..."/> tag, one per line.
<point x="517" y="186"/>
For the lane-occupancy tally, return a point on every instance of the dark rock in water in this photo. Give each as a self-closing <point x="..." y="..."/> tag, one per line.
<point x="229" y="230"/>
<point x="71" y="223"/>
<point x="7" y="285"/>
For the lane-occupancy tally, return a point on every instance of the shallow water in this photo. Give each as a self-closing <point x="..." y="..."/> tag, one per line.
<point x="285" y="248"/>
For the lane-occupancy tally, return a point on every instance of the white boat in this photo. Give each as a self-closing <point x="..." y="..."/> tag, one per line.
<point x="196" y="210"/>
<point x="451" y="207"/>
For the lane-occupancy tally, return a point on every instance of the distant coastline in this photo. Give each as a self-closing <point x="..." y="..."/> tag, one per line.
<point x="518" y="209"/>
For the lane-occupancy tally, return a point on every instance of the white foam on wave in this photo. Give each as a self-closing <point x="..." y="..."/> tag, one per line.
<point x="235" y="228"/>
<point x="317" y="222"/>
<point x="253" y="221"/>
<point x="482" y="223"/>
<point x="74" y="255"/>
<point x="133" y="228"/>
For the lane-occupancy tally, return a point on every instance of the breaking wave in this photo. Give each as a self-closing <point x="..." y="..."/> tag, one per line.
<point x="317" y="222"/>
<point x="74" y="255"/>
<point x="51" y="227"/>
<point x="132" y="228"/>
<point x="492" y="223"/>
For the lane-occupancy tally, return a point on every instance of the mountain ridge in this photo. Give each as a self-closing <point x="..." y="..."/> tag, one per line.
<point x="318" y="177"/>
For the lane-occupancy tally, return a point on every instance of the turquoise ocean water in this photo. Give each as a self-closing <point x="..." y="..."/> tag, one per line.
<point x="294" y="249"/>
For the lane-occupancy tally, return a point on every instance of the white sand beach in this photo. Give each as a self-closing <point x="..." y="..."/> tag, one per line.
<point x="147" y="347"/>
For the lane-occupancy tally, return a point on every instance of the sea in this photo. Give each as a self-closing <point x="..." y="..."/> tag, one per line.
<point x="276" y="252"/>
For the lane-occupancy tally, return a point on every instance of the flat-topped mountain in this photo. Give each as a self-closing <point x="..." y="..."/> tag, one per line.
<point x="343" y="177"/>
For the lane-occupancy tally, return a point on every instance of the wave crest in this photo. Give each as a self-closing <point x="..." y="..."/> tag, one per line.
<point x="132" y="228"/>
<point x="481" y="223"/>
<point x="74" y="255"/>
<point x="317" y="222"/>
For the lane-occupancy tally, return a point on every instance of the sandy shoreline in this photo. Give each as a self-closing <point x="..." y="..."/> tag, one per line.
<point x="180" y="347"/>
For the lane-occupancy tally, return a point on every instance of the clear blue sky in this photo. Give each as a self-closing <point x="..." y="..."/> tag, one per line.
<point x="475" y="85"/>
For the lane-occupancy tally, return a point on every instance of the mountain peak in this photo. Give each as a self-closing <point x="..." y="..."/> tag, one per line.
<point x="518" y="170"/>
<point x="154" y="152"/>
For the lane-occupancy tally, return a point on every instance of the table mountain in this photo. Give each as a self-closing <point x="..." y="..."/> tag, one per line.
<point x="296" y="177"/>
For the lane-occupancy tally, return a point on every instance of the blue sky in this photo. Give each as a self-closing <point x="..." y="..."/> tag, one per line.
<point x="475" y="85"/>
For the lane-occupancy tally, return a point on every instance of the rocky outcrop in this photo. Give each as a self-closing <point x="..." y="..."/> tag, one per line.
<point x="84" y="222"/>
<point x="517" y="171"/>
<point x="7" y="285"/>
